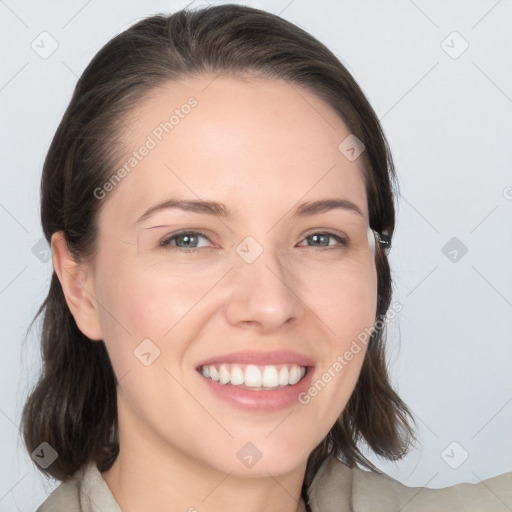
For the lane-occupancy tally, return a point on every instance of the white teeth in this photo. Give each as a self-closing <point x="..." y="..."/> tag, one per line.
<point x="214" y="374"/>
<point x="223" y="374"/>
<point x="294" y="375"/>
<point x="237" y="375"/>
<point x="283" y="376"/>
<point x="270" y="377"/>
<point x="252" y="377"/>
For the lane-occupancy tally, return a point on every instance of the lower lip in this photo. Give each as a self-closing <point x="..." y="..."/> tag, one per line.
<point x="260" y="400"/>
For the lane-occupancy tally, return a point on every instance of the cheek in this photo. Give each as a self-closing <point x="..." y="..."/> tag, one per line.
<point x="146" y="300"/>
<point x="344" y="299"/>
<point x="347" y="306"/>
<point x="155" y="301"/>
<point x="142" y="302"/>
<point x="352" y="313"/>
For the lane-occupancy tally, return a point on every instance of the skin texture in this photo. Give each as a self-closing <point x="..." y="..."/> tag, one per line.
<point x="261" y="147"/>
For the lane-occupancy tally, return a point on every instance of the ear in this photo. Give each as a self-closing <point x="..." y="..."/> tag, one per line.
<point x="77" y="284"/>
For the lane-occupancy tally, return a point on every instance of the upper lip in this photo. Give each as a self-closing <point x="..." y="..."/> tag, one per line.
<point x="260" y="358"/>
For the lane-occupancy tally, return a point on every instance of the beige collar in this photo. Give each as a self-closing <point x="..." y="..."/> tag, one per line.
<point x="329" y="491"/>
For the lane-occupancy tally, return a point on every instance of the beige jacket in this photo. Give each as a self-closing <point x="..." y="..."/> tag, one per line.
<point x="335" y="488"/>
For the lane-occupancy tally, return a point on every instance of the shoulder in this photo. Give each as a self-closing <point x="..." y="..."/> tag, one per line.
<point x="338" y="487"/>
<point x="63" y="498"/>
<point x="493" y="494"/>
<point x="86" y="491"/>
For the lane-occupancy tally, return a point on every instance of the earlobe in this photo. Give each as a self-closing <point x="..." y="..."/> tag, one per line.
<point x="78" y="287"/>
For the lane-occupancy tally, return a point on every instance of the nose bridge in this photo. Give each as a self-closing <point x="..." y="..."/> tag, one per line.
<point x="262" y="290"/>
<point x="263" y="265"/>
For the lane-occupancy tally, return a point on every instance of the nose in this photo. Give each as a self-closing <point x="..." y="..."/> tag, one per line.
<point x="263" y="294"/>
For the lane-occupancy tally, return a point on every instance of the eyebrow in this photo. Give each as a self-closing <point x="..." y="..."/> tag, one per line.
<point x="221" y="210"/>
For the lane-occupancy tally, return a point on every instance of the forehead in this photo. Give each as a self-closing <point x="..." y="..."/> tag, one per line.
<point x="258" y="145"/>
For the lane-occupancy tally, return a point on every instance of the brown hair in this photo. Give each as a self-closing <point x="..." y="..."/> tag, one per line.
<point x="73" y="406"/>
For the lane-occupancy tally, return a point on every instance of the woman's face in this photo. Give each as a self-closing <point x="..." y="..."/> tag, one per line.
<point x="263" y="281"/>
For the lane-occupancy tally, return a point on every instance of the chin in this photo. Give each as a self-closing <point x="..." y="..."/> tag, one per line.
<point x="259" y="459"/>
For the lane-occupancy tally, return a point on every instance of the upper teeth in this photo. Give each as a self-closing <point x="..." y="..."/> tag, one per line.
<point x="253" y="376"/>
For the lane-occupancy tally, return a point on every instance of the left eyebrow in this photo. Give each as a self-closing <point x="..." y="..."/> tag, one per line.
<point x="221" y="210"/>
<point x="325" y="205"/>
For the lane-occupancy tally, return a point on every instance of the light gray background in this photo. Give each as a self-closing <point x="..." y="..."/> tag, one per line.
<point x="448" y="121"/>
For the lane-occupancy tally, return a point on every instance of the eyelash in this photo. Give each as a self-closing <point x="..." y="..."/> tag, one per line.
<point x="344" y="242"/>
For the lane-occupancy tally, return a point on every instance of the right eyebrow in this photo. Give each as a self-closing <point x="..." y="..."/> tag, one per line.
<point x="202" y="207"/>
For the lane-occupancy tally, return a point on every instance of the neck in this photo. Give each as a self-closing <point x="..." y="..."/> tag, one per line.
<point x="150" y="475"/>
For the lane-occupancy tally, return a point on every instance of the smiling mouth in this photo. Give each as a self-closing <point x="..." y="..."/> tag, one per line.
<point x="254" y="377"/>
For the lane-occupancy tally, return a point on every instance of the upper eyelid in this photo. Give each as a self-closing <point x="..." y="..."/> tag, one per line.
<point x="315" y="231"/>
<point x="186" y="232"/>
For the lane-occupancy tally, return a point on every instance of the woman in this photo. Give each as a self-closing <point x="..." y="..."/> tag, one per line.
<point x="219" y="201"/>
